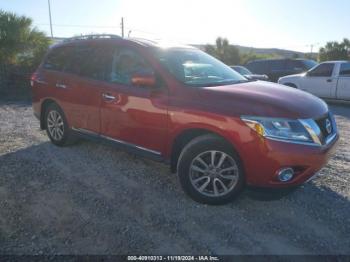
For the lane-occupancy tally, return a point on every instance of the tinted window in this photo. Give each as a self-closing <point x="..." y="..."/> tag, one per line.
<point x="345" y="69"/>
<point x="324" y="70"/>
<point x="91" y="62"/>
<point x="277" y="65"/>
<point x="57" y="58"/>
<point x="308" y="64"/>
<point x="242" y="70"/>
<point x="295" y="65"/>
<point x="258" y="67"/>
<point x="125" y="64"/>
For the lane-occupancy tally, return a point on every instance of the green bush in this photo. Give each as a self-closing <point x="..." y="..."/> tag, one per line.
<point x="22" y="46"/>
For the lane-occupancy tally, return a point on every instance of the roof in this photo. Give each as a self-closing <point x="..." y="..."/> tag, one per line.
<point x="159" y="43"/>
<point x="107" y="37"/>
<point x="336" y="61"/>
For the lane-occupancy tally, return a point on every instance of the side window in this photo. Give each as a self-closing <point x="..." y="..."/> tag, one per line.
<point x="277" y="65"/>
<point x="125" y="64"/>
<point x="323" y="70"/>
<point x="90" y="62"/>
<point x="251" y="66"/>
<point x="294" y="65"/>
<point x="345" y="70"/>
<point x="258" y="67"/>
<point x="57" y="58"/>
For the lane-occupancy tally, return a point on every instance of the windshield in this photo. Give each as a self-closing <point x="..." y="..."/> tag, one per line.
<point x="242" y="70"/>
<point x="309" y="64"/>
<point x="196" y="68"/>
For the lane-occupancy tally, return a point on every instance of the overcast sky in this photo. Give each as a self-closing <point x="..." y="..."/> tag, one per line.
<point x="289" y="24"/>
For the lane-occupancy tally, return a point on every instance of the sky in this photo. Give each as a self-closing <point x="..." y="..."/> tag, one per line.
<point x="286" y="24"/>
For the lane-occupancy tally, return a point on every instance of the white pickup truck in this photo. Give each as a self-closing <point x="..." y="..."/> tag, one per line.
<point x="330" y="80"/>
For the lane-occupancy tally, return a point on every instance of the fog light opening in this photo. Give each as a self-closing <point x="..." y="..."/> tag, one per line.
<point x="286" y="174"/>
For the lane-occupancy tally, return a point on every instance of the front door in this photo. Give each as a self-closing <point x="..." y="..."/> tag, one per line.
<point x="320" y="81"/>
<point x="133" y="115"/>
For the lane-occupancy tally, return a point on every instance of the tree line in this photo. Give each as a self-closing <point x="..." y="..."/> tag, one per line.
<point x="230" y="54"/>
<point x="23" y="45"/>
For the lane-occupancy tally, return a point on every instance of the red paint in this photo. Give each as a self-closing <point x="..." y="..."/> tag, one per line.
<point x="153" y="118"/>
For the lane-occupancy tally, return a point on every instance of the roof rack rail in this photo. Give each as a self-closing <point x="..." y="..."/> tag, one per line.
<point x="96" y="36"/>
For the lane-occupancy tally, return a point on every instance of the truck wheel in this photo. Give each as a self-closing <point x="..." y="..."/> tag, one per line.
<point x="57" y="128"/>
<point x="210" y="170"/>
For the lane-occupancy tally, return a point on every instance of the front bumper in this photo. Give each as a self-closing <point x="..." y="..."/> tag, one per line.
<point x="263" y="158"/>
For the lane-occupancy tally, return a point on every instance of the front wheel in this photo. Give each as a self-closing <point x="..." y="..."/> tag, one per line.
<point x="210" y="170"/>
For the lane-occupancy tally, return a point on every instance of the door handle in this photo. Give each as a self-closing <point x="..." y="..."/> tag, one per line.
<point x="41" y="81"/>
<point x="63" y="86"/>
<point x="329" y="80"/>
<point x="108" y="97"/>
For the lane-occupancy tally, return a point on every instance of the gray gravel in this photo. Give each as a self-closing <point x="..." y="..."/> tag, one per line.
<point x="93" y="199"/>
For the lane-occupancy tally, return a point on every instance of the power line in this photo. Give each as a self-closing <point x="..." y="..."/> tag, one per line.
<point x="83" y="26"/>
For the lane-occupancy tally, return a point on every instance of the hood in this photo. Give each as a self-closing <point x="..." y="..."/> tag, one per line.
<point x="257" y="77"/>
<point x="293" y="76"/>
<point x="262" y="99"/>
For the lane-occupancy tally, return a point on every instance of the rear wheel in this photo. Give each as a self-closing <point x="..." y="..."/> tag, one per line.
<point x="210" y="170"/>
<point x="57" y="128"/>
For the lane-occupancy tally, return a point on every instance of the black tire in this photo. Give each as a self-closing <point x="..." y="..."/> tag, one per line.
<point x="67" y="138"/>
<point x="199" y="147"/>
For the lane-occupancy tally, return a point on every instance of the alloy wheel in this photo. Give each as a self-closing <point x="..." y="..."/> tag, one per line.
<point x="55" y="125"/>
<point x="214" y="173"/>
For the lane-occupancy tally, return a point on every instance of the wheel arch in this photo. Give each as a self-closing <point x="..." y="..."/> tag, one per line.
<point x="187" y="135"/>
<point x="44" y="105"/>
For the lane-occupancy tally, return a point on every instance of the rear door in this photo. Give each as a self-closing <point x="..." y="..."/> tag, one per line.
<point x="343" y="87"/>
<point x="320" y="81"/>
<point x="53" y="79"/>
<point x="83" y="77"/>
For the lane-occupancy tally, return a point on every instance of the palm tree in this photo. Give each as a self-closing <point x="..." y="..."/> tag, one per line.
<point x="335" y="51"/>
<point x="17" y="36"/>
<point x="224" y="51"/>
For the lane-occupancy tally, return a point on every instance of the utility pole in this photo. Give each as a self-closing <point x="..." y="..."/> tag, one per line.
<point x="50" y="18"/>
<point x="122" y="26"/>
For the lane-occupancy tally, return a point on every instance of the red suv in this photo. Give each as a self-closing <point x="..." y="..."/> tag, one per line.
<point x="216" y="129"/>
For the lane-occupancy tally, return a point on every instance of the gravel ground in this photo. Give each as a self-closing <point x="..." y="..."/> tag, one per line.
<point x="93" y="199"/>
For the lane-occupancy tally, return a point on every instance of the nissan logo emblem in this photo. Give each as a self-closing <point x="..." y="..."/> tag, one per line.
<point x="328" y="126"/>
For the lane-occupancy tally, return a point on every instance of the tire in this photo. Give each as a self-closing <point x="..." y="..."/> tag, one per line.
<point x="194" y="174"/>
<point x="58" y="131"/>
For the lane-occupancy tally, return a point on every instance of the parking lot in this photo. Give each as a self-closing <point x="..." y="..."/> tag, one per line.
<point x="93" y="199"/>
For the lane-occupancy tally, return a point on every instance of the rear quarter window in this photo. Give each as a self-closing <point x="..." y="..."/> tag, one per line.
<point x="57" y="58"/>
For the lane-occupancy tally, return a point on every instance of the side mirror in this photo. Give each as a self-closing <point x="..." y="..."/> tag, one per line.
<point x="143" y="79"/>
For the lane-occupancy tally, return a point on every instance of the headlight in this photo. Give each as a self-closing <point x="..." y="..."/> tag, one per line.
<point x="279" y="129"/>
